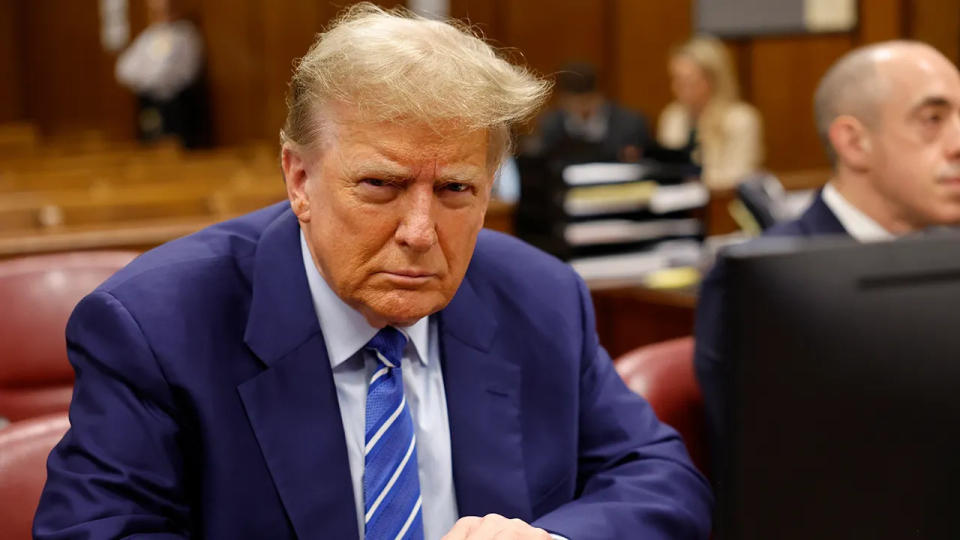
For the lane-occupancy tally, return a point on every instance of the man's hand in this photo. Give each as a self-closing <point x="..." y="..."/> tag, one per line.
<point x="495" y="526"/>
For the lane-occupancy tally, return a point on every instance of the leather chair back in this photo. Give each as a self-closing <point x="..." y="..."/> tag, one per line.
<point x="39" y="293"/>
<point x="663" y="374"/>
<point x="24" y="447"/>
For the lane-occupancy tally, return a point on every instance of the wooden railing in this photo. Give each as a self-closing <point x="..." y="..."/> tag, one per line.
<point x="90" y="195"/>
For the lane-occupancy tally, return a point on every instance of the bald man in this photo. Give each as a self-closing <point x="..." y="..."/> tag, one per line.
<point x="889" y="116"/>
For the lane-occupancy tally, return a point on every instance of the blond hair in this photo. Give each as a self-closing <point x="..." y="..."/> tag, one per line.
<point x="729" y="131"/>
<point x="714" y="59"/>
<point x="397" y="66"/>
<point x="710" y="55"/>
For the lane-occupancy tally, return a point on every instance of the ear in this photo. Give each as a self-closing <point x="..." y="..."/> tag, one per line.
<point x="851" y="140"/>
<point x="295" y="176"/>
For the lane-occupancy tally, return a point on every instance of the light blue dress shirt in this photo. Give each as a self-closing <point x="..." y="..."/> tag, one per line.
<point x="345" y="332"/>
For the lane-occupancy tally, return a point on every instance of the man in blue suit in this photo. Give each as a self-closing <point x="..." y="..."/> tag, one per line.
<point x="363" y="361"/>
<point x="889" y="116"/>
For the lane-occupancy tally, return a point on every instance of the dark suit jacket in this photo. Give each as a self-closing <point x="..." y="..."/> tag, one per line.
<point x="205" y="404"/>
<point x="624" y="128"/>
<point x="711" y="356"/>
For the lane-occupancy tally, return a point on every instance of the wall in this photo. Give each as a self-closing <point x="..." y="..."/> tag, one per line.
<point x="67" y="80"/>
<point x="63" y="81"/>
<point x="11" y="102"/>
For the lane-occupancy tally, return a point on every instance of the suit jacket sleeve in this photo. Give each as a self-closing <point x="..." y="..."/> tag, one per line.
<point x="118" y="470"/>
<point x="635" y="479"/>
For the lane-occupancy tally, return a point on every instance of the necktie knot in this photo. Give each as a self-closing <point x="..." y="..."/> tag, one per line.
<point x="388" y="345"/>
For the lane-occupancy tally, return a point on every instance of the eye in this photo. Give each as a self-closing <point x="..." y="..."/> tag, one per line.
<point x="377" y="190"/>
<point x="456" y="187"/>
<point x="932" y="118"/>
<point x="376" y="182"/>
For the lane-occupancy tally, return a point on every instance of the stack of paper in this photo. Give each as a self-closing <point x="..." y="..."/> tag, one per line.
<point x="613" y="231"/>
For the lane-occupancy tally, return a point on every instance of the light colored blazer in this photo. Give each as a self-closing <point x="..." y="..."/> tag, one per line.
<point x="730" y="147"/>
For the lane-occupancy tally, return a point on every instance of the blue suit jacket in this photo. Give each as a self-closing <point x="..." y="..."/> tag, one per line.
<point x="711" y="356"/>
<point x="205" y="404"/>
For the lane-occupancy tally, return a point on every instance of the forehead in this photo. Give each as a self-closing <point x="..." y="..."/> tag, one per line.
<point x="914" y="79"/>
<point x="682" y="63"/>
<point x="404" y="142"/>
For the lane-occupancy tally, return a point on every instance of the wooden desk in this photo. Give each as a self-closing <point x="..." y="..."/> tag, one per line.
<point x="633" y="316"/>
<point x="716" y="216"/>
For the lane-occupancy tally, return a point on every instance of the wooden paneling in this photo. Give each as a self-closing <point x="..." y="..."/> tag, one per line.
<point x="11" y="102"/>
<point x="481" y="14"/>
<point x="287" y="35"/>
<point x="63" y="80"/>
<point x="784" y="74"/>
<point x="881" y="20"/>
<point x="936" y="22"/>
<point x="68" y="78"/>
<point x="235" y="68"/>
<point x="645" y="33"/>
<point x="551" y="33"/>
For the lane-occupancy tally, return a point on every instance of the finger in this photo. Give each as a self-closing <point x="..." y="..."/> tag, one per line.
<point x="462" y="528"/>
<point x="517" y="529"/>
<point x="489" y="526"/>
<point x="541" y="534"/>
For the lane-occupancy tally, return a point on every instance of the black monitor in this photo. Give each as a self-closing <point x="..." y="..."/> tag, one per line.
<point x="845" y="399"/>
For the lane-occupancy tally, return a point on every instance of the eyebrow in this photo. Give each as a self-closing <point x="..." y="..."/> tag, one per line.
<point x="931" y="101"/>
<point x="383" y="169"/>
<point x="397" y="173"/>
<point x="466" y="175"/>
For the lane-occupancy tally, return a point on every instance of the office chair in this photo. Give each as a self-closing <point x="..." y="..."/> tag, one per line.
<point x="24" y="447"/>
<point x="763" y="196"/>
<point x="39" y="293"/>
<point x="663" y="374"/>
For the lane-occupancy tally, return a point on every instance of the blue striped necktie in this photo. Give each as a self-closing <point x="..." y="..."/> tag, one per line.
<point x="391" y="487"/>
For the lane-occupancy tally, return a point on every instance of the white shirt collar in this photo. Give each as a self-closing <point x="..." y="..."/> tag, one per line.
<point x="859" y="225"/>
<point x="345" y="330"/>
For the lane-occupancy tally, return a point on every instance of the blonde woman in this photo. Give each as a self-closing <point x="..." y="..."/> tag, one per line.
<point x="722" y="133"/>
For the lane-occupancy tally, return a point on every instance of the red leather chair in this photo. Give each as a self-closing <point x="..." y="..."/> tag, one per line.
<point x="663" y="374"/>
<point x="38" y="293"/>
<point x="24" y="447"/>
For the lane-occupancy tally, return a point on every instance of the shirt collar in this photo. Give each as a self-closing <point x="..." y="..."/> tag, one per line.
<point x="859" y="225"/>
<point x="346" y="330"/>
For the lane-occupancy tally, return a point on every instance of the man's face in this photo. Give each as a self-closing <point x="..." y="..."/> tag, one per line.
<point x="916" y="143"/>
<point x="582" y="106"/>
<point x="391" y="213"/>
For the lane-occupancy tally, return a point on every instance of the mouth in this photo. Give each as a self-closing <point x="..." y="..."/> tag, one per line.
<point x="408" y="277"/>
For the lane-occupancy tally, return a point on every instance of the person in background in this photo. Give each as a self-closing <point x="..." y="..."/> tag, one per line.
<point x="164" y="68"/>
<point x="364" y="361"/>
<point x="708" y="120"/>
<point x="889" y="117"/>
<point x="586" y="125"/>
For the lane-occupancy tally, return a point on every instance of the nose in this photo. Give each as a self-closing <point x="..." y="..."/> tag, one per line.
<point x="418" y="229"/>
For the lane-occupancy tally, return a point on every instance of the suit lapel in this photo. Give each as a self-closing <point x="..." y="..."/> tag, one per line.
<point x="292" y="405"/>
<point x="483" y="405"/>
<point x="820" y="220"/>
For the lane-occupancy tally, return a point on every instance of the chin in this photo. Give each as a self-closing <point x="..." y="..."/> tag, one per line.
<point x="947" y="213"/>
<point x="404" y="308"/>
